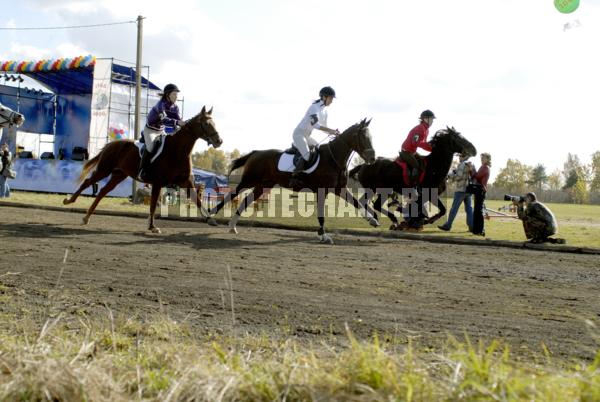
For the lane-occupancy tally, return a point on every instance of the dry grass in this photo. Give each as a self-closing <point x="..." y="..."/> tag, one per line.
<point x="121" y="359"/>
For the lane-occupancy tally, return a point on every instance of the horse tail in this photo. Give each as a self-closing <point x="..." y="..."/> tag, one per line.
<point x="89" y="165"/>
<point x="239" y="162"/>
<point x="352" y="174"/>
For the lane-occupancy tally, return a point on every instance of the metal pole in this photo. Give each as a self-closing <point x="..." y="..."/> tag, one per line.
<point x="138" y="90"/>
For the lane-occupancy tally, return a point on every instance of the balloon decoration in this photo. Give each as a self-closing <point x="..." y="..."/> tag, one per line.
<point x="118" y="133"/>
<point x="48" y="65"/>
<point x="566" y="6"/>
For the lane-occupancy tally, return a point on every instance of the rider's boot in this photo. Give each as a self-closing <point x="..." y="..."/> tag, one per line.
<point x="299" y="168"/>
<point x="414" y="176"/>
<point x="144" y="165"/>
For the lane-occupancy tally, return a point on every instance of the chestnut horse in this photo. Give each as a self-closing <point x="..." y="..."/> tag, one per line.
<point x="173" y="167"/>
<point x="331" y="175"/>
<point x="386" y="174"/>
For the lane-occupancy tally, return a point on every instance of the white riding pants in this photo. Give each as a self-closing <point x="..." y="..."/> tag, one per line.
<point x="303" y="142"/>
<point x="149" y="137"/>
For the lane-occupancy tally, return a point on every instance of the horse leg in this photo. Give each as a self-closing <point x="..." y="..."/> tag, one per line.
<point x="94" y="178"/>
<point x="324" y="237"/>
<point x="364" y="202"/>
<point x="368" y="214"/>
<point x="249" y="199"/>
<point x="117" y="177"/>
<point x="228" y="197"/>
<point x="153" y="201"/>
<point x="378" y="206"/>
<point x="442" y="211"/>
<point x="209" y="219"/>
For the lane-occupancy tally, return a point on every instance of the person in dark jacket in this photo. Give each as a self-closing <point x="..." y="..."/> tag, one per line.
<point x="480" y="178"/>
<point x="6" y="159"/>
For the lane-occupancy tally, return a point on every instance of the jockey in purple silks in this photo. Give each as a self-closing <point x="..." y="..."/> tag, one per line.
<point x="164" y="114"/>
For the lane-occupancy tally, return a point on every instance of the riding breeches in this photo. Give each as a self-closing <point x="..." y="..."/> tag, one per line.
<point x="411" y="160"/>
<point x="149" y="137"/>
<point x="303" y="142"/>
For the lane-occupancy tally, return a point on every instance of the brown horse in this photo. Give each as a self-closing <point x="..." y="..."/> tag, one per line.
<point x="331" y="175"/>
<point x="173" y="167"/>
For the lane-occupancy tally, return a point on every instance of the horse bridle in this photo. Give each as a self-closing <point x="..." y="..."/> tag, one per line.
<point x="208" y="138"/>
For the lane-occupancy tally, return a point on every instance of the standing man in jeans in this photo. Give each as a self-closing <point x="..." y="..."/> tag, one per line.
<point x="460" y="176"/>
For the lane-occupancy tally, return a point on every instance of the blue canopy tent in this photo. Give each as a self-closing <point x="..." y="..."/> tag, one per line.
<point x="210" y="180"/>
<point x="83" y="100"/>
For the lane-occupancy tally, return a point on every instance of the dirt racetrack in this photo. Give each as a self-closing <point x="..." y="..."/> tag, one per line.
<point x="285" y="283"/>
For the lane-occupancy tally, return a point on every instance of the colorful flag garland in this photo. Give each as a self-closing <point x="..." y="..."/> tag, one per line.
<point x="48" y="65"/>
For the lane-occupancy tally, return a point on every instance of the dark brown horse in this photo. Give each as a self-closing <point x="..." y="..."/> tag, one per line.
<point x="173" y="167"/>
<point x="385" y="175"/>
<point x="331" y="175"/>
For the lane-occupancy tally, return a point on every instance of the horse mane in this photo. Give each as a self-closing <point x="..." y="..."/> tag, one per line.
<point x="189" y="121"/>
<point x="441" y="135"/>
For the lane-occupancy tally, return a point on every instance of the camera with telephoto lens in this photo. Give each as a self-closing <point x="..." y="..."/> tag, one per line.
<point x="515" y="198"/>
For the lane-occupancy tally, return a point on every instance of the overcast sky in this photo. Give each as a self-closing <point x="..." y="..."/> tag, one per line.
<point x="517" y="78"/>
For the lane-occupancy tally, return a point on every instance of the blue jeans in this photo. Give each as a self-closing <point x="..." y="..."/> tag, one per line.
<point x="459" y="198"/>
<point x="4" y="188"/>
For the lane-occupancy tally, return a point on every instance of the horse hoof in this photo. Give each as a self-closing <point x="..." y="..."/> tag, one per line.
<point x="374" y="222"/>
<point x="326" y="239"/>
<point x="212" y="222"/>
<point x="394" y="226"/>
<point x="66" y="201"/>
<point x="233" y="231"/>
<point x="85" y="220"/>
<point x="155" y="230"/>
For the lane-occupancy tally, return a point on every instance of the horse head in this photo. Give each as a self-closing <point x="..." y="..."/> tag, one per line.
<point x="453" y="142"/>
<point x="203" y="126"/>
<point x="358" y="138"/>
<point x="10" y="117"/>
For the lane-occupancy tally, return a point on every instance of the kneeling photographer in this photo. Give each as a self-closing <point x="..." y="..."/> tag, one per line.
<point x="538" y="221"/>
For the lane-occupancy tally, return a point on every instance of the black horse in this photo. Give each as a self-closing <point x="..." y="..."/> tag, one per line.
<point x="386" y="175"/>
<point x="261" y="173"/>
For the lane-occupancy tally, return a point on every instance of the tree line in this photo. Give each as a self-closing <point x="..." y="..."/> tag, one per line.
<point x="214" y="160"/>
<point x="578" y="180"/>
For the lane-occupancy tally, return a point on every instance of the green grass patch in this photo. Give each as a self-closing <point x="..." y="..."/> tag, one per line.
<point x="578" y="224"/>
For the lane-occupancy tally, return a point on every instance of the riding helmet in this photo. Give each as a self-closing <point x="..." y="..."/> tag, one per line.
<point x="427" y="113"/>
<point x="326" y="91"/>
<point x="170" y="88"/>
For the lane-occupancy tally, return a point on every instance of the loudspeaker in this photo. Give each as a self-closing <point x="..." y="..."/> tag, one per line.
<point x="25" y="155"/>
<point x="47" y="155"/>
<point x="80" y="154"/>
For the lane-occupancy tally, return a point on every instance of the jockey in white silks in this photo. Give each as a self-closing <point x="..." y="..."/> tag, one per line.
<point x="315" y="118"/>
<point x="164" y="113"/>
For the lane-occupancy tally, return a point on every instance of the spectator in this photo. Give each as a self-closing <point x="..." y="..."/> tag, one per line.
<point x="460" y="176"/>
<point x="538" y="221"/>
<point x="479" y="188"/>
<point x="5" y="171"/>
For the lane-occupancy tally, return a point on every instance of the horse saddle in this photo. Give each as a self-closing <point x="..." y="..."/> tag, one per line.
<point x="406" y="171"/>
<point x="159" y="144"/>
<point x="290" y="157"/>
